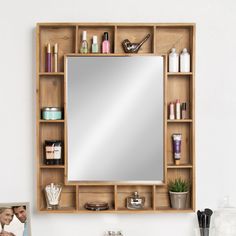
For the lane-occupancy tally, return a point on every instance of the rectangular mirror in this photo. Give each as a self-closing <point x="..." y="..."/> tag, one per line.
<point x="115" y="109"/>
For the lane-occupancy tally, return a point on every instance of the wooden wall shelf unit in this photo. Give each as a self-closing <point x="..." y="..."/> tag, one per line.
<point x="50" y="92"/>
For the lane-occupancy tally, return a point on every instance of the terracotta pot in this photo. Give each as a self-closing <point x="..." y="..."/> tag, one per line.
<point x="178" y="200"/>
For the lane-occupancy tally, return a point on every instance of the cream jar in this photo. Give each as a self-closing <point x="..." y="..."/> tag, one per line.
<point x="52" y="113"/>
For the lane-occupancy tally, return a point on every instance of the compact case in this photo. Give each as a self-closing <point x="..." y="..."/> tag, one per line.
<point x="96" y="206"/>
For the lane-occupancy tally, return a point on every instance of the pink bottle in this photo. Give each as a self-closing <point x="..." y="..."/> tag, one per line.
<point x="105" y="43"/>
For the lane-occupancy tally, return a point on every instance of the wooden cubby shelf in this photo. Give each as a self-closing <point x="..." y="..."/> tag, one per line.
<point x="52" y="166"/>
<point x="180" y="121"/>
<point x="51" y="92"/>
<point x="51" y="121"/>
<point x="171" y="210"/>
<point x="99" y="31"/>
<point x="180" y="166"/>
<point x="135" y="34"/>
<point x="178" y="73"/>
<point x="52" y="74"/>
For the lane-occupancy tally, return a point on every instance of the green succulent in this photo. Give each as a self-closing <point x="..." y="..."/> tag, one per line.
<point x="178" y="185"/>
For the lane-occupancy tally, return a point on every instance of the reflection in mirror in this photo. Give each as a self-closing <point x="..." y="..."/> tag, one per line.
<point x="115" y="118"/>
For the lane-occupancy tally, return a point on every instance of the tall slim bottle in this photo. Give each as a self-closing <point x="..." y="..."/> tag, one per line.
<point x="184" y="61"/>
<point x="48" y="59"/>
<point x="84" y="43"/>
<point x="55" y="53"/>
<point x="105" y="43"/>
<point x="173" y="61"/>
<point x="95" y="44"/>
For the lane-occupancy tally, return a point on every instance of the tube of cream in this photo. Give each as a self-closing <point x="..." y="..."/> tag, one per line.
<point x="177" y="147"/>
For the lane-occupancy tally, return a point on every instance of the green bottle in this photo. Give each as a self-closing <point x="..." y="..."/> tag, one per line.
<point x="84" y="43"/>
<point x="95" y="44"/>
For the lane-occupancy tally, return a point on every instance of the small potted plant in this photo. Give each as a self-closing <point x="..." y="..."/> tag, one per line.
<point x="178" y="190"/>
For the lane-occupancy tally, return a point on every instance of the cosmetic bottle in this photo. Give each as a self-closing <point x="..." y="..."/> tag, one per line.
<point x="105" y="43"/>
<point x="55" y="53"/>
<point x="173" y="61"/>
<point x="84" y="43"/>
<point x="184" y="61"/>
<point x="184" y="110"/>
<point x="48" y="59"/>
<point x="135" y="201"/>
<point x="177" y="109"/>
<point x="95" y="44"/>
<point x="171" y="111"/>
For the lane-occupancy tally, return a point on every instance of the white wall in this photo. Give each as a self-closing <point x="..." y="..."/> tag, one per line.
<point x="215" y="105"/>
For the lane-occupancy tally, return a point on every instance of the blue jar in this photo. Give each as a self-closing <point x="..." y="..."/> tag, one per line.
<point x="52" y="113"/>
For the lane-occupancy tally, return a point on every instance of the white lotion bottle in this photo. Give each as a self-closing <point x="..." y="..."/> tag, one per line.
<point x="184" y="61"/>
<point x="177" y="109"/>
<point x="173" y="61"/>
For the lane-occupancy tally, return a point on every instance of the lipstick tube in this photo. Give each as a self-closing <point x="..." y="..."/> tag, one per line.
<point x="48" y="59"/>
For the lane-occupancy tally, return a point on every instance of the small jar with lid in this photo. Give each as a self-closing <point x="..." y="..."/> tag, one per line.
<point x="135" y="201"/>
<point x="53" y="152"/>
<point x="52" y="113"/>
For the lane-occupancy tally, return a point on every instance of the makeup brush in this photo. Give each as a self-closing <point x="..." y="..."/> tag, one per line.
<point x="208" y="213"/>
<point x="199" y="217"/>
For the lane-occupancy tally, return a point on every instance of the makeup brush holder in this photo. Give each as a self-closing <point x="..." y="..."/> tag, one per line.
<point x="205" y="232"/>
<point x="53" y="195"/>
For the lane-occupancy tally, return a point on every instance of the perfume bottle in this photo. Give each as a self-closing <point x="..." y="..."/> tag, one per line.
<point x="105" y="44"/>
<point x="95" y="44"/>
<point x="135" y="202"/>
<point x="84" y="43"/>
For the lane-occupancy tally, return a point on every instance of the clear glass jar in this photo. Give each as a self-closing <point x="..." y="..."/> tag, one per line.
<point x="224" y="220"/>
<point x="135" y="201"/>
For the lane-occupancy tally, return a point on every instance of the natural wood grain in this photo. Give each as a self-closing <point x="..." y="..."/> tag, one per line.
<point x="184" y="129"/>
<point x="185" y="174"/>
<point x="173" y="37"/>
<point x="192" y="94"/>
<point x="38" y="114"/>
<point x="135" y="34"/>
<point x="126" y="191"/>
<point x="51" y="91"/>
<point x="63" y="36"/>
